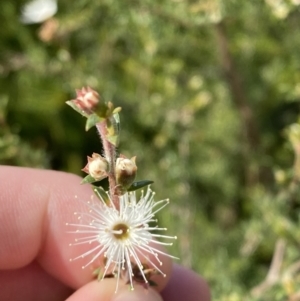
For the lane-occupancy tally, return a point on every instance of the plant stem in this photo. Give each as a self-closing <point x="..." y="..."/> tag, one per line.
<point x="110" y="155"/>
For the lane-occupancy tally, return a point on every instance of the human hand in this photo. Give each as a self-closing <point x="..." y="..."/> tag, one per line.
<point x="34" y="246"/>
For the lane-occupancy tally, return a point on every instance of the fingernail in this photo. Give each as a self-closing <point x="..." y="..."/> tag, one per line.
<point x="138" y="294"/>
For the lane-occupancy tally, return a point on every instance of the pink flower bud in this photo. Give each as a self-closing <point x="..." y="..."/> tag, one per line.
<point x="96" y="167"/>
<point x="86" y="99"/>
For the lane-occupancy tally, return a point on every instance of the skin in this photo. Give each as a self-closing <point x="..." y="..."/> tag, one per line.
<point x="35" y="253"/>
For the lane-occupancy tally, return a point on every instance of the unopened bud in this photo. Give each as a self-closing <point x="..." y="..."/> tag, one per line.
<point x="86" y="99"/>
<point x="125" y="171"/>
<point x="96" y="167"/>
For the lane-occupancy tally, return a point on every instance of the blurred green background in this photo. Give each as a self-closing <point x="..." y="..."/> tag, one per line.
<point x="210" y="97"/>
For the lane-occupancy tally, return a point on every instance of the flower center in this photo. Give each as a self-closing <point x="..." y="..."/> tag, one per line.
<point x="121" y="231"/>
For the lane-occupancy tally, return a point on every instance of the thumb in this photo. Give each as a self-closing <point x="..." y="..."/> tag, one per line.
<point x="105" y="291"/>
<point x="139" y="294"/>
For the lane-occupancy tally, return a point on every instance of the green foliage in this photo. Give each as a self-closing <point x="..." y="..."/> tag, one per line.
<point x="210" y="95"/>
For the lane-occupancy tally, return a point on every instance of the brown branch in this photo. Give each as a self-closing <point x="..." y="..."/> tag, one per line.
<point x="235" y="83"/>
<point x="293" y="269"/>
<point x="233" y="79"/>
<point x="273" y="275"/>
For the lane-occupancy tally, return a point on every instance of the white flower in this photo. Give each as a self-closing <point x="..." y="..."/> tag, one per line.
<point x="124" y="236"/>
<point x="38" y="11"/>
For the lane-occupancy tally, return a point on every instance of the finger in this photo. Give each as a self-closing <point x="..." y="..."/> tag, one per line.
<point x="105" y="291"/>
<point x="34" y="206"/>
<point x="33" y="214"/>
<point x="31" y="283"/>
<point x="185" y="285"/>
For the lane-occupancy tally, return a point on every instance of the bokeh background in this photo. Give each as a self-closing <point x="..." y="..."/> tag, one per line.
<point x="210" y="97"/>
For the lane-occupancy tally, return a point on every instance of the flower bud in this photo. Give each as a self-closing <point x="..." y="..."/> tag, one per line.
<point x="86" y="99"/>
<point x="125" y="171"/>
<point x="96" y="167"/>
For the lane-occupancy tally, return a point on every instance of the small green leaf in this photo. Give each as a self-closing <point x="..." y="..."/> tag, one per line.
<point x="104" y="110"/>
<point x="97" y="272"/>
<point x="78" y="110"/>
<point x="110" y="127"/>
<point x="92" y="120"/>
<point x="113" y="139"/>
<point x="113" y="129"/>
<point x="101" y="194"/>
<point x="88" y="179"/>
<point x="110" y="109"/>
<point x="117" y="110"/>
<point x="116" y="123"/>
<point x="139" y="184"/>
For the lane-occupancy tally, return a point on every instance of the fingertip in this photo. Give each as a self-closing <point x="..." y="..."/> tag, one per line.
<point x="106" y="291"/>
<point x="186" y="285"/>
<point x="138" y="294"/>
<point x="35" y="206"/>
